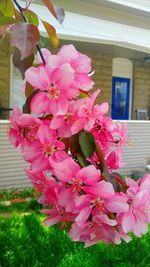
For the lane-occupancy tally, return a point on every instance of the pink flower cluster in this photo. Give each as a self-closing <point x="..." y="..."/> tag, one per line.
<point x="78" y="190"/>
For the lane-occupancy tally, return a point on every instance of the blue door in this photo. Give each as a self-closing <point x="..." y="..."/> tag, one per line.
<point x="120" y="98"/>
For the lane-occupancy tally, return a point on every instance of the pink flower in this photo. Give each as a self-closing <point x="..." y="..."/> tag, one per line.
<point x="40" y="181"/>
<point x="42" y="150"/>
<point x="87" y="113"/>
<point x="114" y="160"/>
<point x="64" y="123"/>
<point x="59" y="80"/>
<point x="104" y="133"/>
<point x="75" y="175"/>
<point x="137" y="217"/>
<point x="54" y="89"/>
<point x="120" y="134"/>
<point x="23" y="126"/>
<point x="81" y="65"/>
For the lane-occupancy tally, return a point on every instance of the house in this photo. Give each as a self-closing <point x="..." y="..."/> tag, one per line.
<point x="116" y="35"/>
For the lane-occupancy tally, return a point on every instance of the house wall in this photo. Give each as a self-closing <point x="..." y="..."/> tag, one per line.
<point x="4" y="76"/>
<point x="102" y="65"/>
<point x="141" y="89"/>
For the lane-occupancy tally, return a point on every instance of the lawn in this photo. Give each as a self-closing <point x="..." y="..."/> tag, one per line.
<point x="26" y="242"/>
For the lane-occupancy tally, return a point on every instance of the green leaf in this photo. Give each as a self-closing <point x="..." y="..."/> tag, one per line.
<point x="31" y="17"/>
<point x="87" y="143"/>
<point x="7" y="20"/>
<point x="7" y="8"/>
<point x="25" y="37"/>
<point x="83" y="94"/>
<point x="82" y="161"/>
<point x="43" y="41"/>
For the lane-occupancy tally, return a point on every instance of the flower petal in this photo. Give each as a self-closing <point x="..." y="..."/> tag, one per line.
<point x="68" y="53"/>
<point x="83" y="81"/>
<point x="83" y="215"/>
<point x="46" y="135"/>
<point x="102" y="189"/>
<point x="63" y="76"/>
<point x="40" y="103"/>
<point x="128" y="221"/>
<point x="89" y="175"/>
<point x="66" y="169"/>
<point x="38" y="77"/>
<point x="57" y="122"/>
<point x="116" y="205"/>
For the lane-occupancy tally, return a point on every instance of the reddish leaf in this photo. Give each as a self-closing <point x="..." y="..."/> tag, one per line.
<point x="28" y="89"/>
<point x="57" y="12"/>
<point x="3" y="29"/>
<point x="25" y="37"/>
<point x="119" y="179"/>
<point x="51" y="32"/>
<point x="50" y="6"/>
<point x="26" y="106"/>
<point x="101" y="159"/>
<point x="24" y="64"/>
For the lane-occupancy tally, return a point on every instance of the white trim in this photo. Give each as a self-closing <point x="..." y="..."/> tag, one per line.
<point x="143" y="5"/>
<point x="86" y="28"/>
<point x="4" y="121"/>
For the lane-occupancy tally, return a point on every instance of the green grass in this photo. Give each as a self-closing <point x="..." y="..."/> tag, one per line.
<point x="26" y="242"/>
<point x="17" y="194"/>
<point x="30" y="206"/>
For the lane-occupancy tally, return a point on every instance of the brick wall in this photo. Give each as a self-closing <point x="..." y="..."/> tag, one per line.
<point x="4" y="76"/>
<point x="102" y="65"/>
<point x="141" y="89"/>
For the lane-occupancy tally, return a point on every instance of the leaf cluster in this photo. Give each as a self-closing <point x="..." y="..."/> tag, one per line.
<point x="22" y="25"/>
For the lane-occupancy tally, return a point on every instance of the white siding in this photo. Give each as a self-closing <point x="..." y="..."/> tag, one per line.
<point x="12" y="165"/>
<point x="136" y="154"/>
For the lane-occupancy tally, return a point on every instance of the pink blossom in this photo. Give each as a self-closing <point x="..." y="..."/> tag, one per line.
<point x="74" y="174"/>
<point x="40" y="152"/>
<point x="87" y="113"/>
<point x="137" y="217"/>
<point x="114" y="160"/>
<point x="74" y="192"/>
<point x="40" y="181"/>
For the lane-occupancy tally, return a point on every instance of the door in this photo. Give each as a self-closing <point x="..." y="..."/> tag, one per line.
<point x="120" y="98"/>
